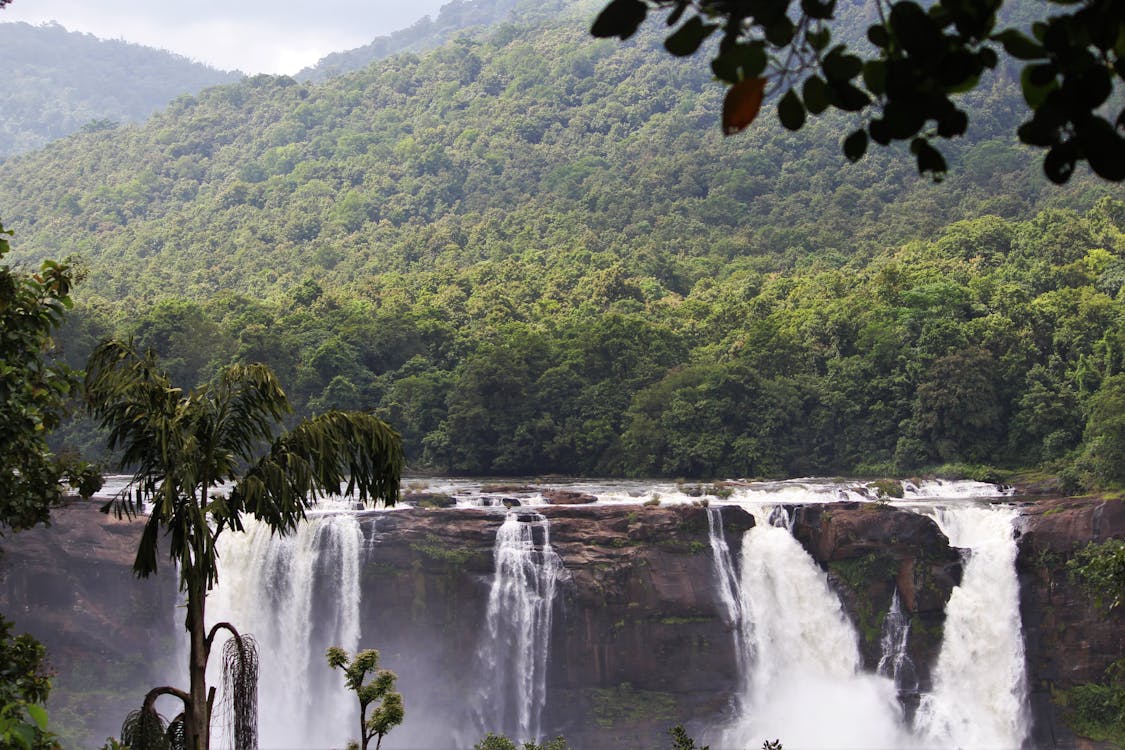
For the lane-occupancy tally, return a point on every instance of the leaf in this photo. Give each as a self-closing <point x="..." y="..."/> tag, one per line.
<point x="816" y="94"/>
<point x="620" y="18"/>
<point x="1037" y="82"/>
<point x="818" y="9"/>
<point x="686" y="39"/>
<point x="1019" y="46"/>
<point x="848" y="98"/>
<point x="38" y="714"/>
<point x="1059" y="163"/>
<point x="929" y="158"/>
<point x="741" y="105"/>
<point x="855" y="145"/>
<point x="790" y="111"/>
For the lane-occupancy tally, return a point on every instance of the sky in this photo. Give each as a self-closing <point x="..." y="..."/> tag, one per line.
<point x="254" y="36"/>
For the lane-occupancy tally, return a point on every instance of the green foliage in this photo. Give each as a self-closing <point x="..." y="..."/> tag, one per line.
<point x="61" y="82"/>
<point x="1100" y="568"/>
<point x="887" y="488"/>
<point x="24" y="687"/>
<point x="493" y="741"/>
<point x="388" y="711"/>
<point x="1097" y="710"/>
<point x="917" y="59"/>
<point x="624" y="703"/>
<point x="548" y="265"/>
<point x="34" y="391"/>
<point x="682" y="741"/>
<point x="1105" y="433"/>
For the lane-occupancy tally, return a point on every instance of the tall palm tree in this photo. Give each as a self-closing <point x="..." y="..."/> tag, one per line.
<point x="201" y="461"/>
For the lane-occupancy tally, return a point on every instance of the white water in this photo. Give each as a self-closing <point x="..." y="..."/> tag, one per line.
<point x="804" y="686"/>
<point x="271" y="587"/>
<point x="515" y="645"/>
<point x="798" y="651"/>
<point x="895" y="663"/>
<point x="727" y="590"/>
<point x="980" y="686"/>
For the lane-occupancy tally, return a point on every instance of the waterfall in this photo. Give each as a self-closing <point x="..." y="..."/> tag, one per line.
<point x="895" y="662"/>
<point x="727" y="589"/>
<point x="726" y="580"/>
<point x="513" y="651"/>
<point x="297" y="595"/>
<point x="804" y="685"/>
<point x="980" y="687"/>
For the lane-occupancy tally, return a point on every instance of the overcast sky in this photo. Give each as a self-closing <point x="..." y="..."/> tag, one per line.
<point x="254" y="36"/>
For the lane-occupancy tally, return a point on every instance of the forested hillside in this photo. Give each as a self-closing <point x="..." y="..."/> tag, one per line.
<point x="56" y="82"/>
<point x="534" y="252"/>
<point x="458" y="16"/>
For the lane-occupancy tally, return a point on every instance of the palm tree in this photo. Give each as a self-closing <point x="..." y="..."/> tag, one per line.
<point x="201" y="461"/>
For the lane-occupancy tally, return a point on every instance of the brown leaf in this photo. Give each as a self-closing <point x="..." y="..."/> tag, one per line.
<point x="741" y="105"/>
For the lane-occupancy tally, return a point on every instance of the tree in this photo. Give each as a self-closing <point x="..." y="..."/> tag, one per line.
<point x="493" y="741"/>
<point x="33" y="394"/>
<point x="923" y="57"/>
<point x="388" y="712"/>
<point x="24" y="686"/>
<point x="200" y="462"/>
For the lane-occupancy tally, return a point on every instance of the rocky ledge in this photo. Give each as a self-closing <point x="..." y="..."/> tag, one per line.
<point x="640" y="642"/>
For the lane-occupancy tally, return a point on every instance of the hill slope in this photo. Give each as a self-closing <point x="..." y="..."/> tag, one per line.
<point x="57" y="81"/>
<point x="533" y="251"/>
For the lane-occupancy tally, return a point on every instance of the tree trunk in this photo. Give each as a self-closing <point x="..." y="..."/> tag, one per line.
<point x="197" y="721"/>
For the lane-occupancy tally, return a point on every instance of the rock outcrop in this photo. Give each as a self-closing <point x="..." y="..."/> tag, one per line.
<point x="869" y="551"/>
<point x="1070" y="638"/>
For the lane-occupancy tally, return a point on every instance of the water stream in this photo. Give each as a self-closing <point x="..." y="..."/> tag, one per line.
<point x="277" y="589"/>
<point x="980" y="688"/>
<point x="514" y="648"/>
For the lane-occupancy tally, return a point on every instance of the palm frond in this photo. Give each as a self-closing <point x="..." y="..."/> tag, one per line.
<point x="144" y="729"/>
<point x="252" y="403"/>
<point x="240" y="690"/>
<point x="348" y="452"/>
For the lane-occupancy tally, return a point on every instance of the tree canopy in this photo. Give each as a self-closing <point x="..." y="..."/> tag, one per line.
<point x="34" y="391"/>
<point x="902" y="79"/>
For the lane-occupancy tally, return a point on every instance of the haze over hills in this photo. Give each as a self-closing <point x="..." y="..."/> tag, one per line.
<point x="453" y="18"/>
<point x="58" y="81"/>
<point x="533" y="251"/>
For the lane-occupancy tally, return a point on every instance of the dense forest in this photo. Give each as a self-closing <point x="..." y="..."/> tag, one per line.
<point x="456" y="17"/>
<point x="534" y="252"/>
<point x="57" y="82"/>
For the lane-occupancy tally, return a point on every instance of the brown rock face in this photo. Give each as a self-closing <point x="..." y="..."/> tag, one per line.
<point x="1069" y="638"/>
<point x="869" y="550"/>
<point x="109" y="636"/>
<point x="639" y="642"/>
<point x="568" y="497"/>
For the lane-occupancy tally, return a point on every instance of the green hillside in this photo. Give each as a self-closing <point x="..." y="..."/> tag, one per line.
<point x="534" y="252"/>
<point x="56" y="82"/>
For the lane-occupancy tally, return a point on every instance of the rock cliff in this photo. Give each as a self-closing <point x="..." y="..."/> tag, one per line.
<point x="639" y="642"/>
<point x="1070" y="638"/>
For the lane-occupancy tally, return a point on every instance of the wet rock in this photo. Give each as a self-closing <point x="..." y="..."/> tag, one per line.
<point x="568" y="497"/>
<point x="429" y="500"/>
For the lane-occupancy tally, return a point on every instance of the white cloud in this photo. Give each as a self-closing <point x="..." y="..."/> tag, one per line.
<point x="255" y="36"/>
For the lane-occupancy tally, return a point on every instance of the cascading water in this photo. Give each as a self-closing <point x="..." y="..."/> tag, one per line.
<point x="980" y="686"/>
<point x="804" y="685"/>
<point x="276" y="589"/>
<point x="895" y="662"/>
<point x="513" y="653"/>
<point x="726" y="584"/>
